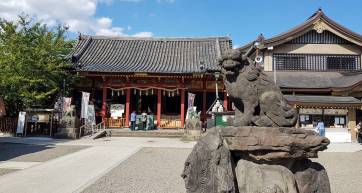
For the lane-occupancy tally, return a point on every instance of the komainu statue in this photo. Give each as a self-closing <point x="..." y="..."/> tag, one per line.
<point x="263" y="152"/>
<point x="258" y="101"/>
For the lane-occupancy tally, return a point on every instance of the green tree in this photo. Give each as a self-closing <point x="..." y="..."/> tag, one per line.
<point x="32" y="65"/>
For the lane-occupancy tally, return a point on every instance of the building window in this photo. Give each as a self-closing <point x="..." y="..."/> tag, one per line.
<point x="316" y="62"/>
<point x="290" y="62"/>
<point x="341" y="63"/>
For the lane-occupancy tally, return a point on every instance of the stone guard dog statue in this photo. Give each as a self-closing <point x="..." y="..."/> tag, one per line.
<point x="257" y="99"/>
<point x="262" y="152"/>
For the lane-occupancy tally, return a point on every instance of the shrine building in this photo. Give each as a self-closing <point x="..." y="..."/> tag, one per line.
<point x="152" y="75"/>
<point x="318" y="68"/>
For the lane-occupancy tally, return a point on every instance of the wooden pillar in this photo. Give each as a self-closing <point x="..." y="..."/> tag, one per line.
<point x="182" y="114"/>
<point x="159" y="107"/>
<point x="352" y="123"/>
<point x="104" y="102"/>
<point x="128" y="106"/>
<point x="225" y="101"/>
<point x="204" y="100"/>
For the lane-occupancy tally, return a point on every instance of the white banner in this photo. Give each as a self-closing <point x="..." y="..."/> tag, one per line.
<point x="21" y="122"/>
<point x="85" y="101"/>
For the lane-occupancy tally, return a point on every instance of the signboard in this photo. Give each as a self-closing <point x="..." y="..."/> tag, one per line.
<point x="335" y="111"/>
<point x="117" y="110"/>
<point x="21" y="122"/>
<point x="85" y="101"/>
<point x="311" y="111"/>
<point x="41" y="118"/>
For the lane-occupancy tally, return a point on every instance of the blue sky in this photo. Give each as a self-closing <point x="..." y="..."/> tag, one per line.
<point x="242" y="20"/>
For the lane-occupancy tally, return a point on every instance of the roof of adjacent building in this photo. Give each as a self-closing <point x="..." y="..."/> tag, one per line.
<point x="318" y="16"/>
<point x="148" y="55"/>
<point x="316" y="80"/>
<point x="322" y="99"/>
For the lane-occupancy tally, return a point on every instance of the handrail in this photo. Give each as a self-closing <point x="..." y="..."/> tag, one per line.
<point x="93" y="128"/>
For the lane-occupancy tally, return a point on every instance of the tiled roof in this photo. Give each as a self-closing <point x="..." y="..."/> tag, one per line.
<point x="304" y="28"/>
<point x="150" y="55"/>
<point x="316" y="80"/>
<point x="322" y="99"/>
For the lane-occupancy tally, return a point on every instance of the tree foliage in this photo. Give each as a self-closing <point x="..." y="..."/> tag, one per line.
<point x="32" y="65"/>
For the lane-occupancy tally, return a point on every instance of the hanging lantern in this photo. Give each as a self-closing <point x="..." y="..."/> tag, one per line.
<point x="112" y="93"/>
<point x="173" y="93"/>
<point x="134" y="91"/>
<point x="146" y="92"/>
<point x="151" y="91"/>
<point x="122" y="92"/>
<point x="118" y="92"/>
<point x="169" y="94"/>
<point x="164" y="93"/>
<point x="140" y="92"/>
<point x="177" y="92"/>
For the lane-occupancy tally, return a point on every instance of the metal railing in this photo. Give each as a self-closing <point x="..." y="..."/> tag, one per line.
<point x="88" y="129"/>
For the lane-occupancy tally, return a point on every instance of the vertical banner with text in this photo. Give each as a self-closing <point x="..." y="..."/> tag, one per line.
<point x="85" y="101"/>
<point x="191" y="99"/>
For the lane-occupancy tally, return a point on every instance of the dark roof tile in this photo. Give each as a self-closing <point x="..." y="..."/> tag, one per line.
<point x="152" y="55"/>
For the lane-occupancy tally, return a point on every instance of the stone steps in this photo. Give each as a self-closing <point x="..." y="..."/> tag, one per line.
<point x="169" y="133"/>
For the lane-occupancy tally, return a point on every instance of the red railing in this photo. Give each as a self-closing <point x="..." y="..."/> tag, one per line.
<point x="8" y="124"/>
<point x="115" y="123"/>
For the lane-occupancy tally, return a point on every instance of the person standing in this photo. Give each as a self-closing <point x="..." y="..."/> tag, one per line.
<point x="144" y="120"/>
<point x="133" y="120"/>
<point x="359" y="133"/>
<point x="320" y="128"/>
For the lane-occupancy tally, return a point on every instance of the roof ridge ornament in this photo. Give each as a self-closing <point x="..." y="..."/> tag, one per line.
<point x="319" y="26"/>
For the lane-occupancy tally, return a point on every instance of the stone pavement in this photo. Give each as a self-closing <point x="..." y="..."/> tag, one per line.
<point x="76" y="171"/>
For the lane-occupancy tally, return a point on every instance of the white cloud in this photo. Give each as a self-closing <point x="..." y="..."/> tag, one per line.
<point x="79" y="15"/>
<point x="166" y="1"/>
<point x="143" y="34"/>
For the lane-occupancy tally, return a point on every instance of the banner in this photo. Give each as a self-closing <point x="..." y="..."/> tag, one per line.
<point x="191" y="99"/>
<point x="67" y="101"/>
<point x="2" y="107"/>
<point x="85" y="101"/>
<point x="91" y="115"/>
<point x="21" y="122"/>
<point x="117" y="110"/>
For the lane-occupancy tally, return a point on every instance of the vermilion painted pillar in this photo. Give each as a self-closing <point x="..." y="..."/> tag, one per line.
<point x="104" y="100"/>
<point x="182" y="108"/>
<point x="128" y="100"/>
<point x="159" y="107"/>
<point x="225" y="101"/>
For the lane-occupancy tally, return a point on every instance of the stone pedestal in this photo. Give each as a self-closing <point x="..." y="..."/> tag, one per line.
<point x="256" y="160"/>
<point x="192" y="129"/>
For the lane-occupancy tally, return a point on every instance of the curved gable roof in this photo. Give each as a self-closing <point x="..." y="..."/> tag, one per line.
<point x="306" y="26"/>
<point x="148" y="55"/>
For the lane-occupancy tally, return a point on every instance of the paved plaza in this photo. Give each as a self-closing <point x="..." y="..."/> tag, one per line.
<point x="129" y="164"/>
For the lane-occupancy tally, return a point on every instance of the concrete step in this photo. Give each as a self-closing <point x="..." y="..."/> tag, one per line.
<point x="169" y="133"/>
